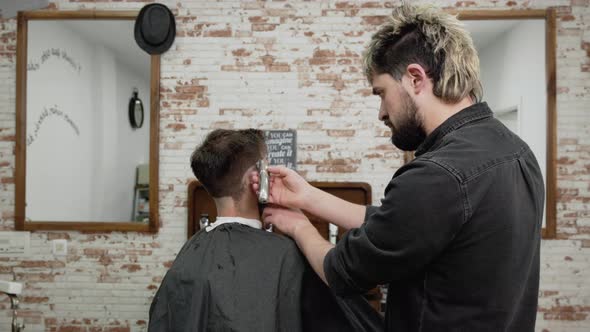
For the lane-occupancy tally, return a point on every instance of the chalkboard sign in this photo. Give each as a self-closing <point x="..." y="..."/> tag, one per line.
<point x="282" y="147"/>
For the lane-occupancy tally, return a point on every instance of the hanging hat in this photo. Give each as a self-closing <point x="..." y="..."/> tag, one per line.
<point x="155" y="28"/>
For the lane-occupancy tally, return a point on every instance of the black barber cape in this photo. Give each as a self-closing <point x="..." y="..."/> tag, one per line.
<point x="239" y="278"/>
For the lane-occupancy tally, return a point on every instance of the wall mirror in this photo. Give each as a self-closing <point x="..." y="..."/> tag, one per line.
<point x="517" y="62"/>
<point x="87" y="123"/>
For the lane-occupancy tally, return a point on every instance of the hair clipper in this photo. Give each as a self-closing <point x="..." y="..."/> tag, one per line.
<point x="264" y="181"/>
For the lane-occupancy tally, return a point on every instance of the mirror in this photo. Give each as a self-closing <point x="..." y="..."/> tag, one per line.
<point x="87" y="123"/>
<point x="517" y="65"/>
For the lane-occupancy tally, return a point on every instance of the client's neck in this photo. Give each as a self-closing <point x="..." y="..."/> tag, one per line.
<point x="246" y="207"/>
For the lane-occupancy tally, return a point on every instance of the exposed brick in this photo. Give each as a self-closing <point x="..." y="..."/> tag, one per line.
<point x="39" y="264"/>
<point x="105" y="260"/>
<point x="241" y="52"/>
<point x="322" y="57"/>
<point x="374" y="20"/>
<point x="50" y="321"/>
<point x="336" y="168"/>
<point x="566" y="18"/>
<point x="131" y="267"/>
<point x="327" y="77"/>
<point x="263" y="27"/>
<point x="93" y="252"/>
<point x="341" y="133"/>
<point x="364" y="92"/>
<point x="219" y="33"/>
<point x="374" y="156"/>
<point x="222" y="125"/>
<point x="310" y="125"/>
<point x="345" y="4"/>
<point x="238" y="111"/>
<point x="313" y="147"/>
<point x="338" y="85"/>
<point x="7" y="180"/>
<point x="139" y="252"/>
<point x="35" y="299"/>
<point x="195" y="90"/>
<point x="465" y="3"/>
<point x="226" y="75"/>
<point x="567" y="312"/>
<point x="108" y="279"/>
<point x="257" y="19"/>
<point x="70" y="328"/>
<point x="372" y="4"/>
<point x="36" y="277"/>
<point x="173" y="146"/>
<point x="176" y="126"/>
<point x="56" y="236"/>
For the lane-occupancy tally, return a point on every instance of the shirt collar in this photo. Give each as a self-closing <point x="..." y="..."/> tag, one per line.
<point x="469" y="114"/>
<point x="227" y="220"/>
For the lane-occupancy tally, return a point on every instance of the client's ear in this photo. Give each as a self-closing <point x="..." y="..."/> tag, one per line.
<point x="247" y="178"/>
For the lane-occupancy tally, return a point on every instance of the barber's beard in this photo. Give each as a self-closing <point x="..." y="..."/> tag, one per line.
<point x="408" y="132"/>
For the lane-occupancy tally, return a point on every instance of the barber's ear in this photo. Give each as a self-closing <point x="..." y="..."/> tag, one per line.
<point x="417" y="77"/>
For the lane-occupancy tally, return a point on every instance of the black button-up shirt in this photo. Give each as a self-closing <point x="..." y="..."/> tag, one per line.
<point x="457" y="236"/>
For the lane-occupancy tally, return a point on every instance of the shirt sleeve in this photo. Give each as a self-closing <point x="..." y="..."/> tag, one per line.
<point x="422" y="211"/>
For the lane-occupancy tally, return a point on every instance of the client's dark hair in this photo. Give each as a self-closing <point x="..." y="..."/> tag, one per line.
<point x="220" y="162"/>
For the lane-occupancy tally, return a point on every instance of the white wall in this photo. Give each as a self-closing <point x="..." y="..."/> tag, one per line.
<point x="94" y="93"/>
<point x="513" y="75"/>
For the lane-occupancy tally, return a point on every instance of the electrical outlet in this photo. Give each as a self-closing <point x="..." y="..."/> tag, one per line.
<point x="60" y="247"/>
<point x="15" y="244"/>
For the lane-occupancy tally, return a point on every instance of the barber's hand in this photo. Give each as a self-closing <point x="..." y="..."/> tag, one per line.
<point x="287" y="188"/>
<point x="288" y="221"/>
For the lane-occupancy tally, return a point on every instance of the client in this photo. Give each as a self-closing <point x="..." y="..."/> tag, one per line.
<point x="234" y="276"/>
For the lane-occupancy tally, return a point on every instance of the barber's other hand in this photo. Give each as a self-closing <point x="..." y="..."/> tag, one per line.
<point x="286" y="220"/>
<point x="287" y="188"/>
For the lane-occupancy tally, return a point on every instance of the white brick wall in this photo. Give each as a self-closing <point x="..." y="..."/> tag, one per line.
<point x="275" y="65"/>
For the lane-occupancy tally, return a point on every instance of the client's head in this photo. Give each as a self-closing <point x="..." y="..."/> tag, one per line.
<point x="221" y="163"/>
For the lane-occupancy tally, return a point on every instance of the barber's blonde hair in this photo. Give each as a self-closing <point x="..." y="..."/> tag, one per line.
<point x="434" y="39"/>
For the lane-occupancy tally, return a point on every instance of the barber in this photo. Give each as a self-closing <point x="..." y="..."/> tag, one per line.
<point x="457" y="235"/>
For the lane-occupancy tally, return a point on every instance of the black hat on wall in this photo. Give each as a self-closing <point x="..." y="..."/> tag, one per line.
<point x="155" y="28"/>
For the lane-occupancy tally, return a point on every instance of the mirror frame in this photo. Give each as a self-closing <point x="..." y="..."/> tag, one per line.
<point x="21" y="120"/>
<point x="549" y="15"/>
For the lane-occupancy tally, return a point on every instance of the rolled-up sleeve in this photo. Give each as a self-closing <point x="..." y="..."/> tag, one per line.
<point x="424" y="207"/>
